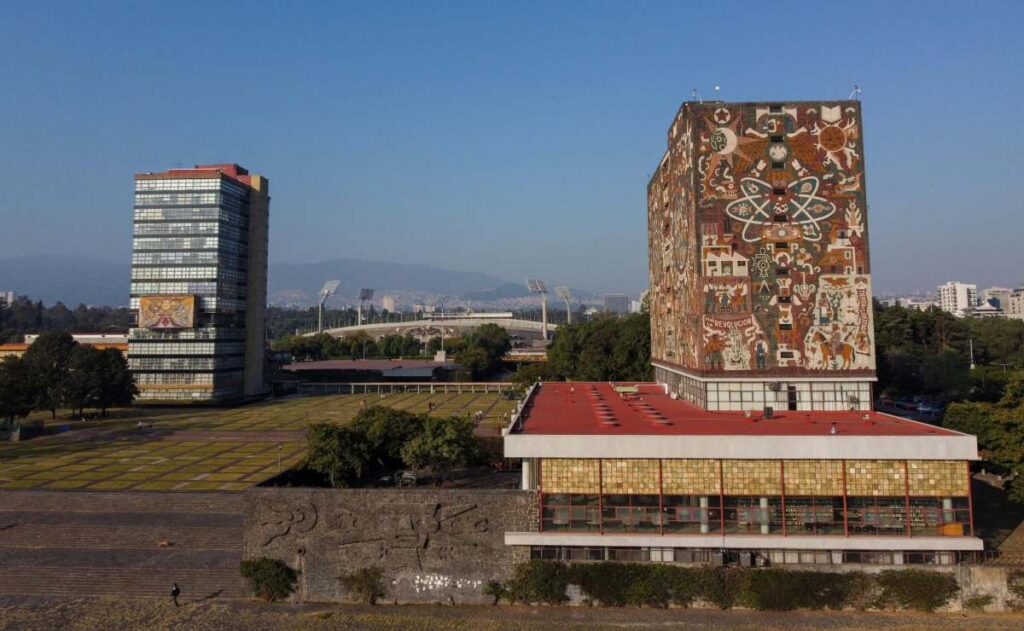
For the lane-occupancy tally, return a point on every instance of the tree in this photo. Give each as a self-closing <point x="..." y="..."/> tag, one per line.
<point x="443" y="444"/>
<point x="339" y="453"/>
<point x="116" y="385"/>
<point x="386" y="430"/>
<point x="83" y="382"/>
<point x="47" y="362"/>
<point x="475" y="360"/>
<point x="608" y="348"/>
<point x="15" y="395"/>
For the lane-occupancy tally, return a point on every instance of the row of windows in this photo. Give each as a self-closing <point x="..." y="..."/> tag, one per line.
<point x="838" y="386"/>
<point x="203" y="289"/>
<point x="188" y="273"/>
<point x="220" y="379"/>
<point x="176" y="199"/>
<point x="220" y="259"/>
<point x="718" y="556"/>
<point x="186" y="334"/>
<point x="189" y="184"/>
<point x="185" y="243"/>
<point x="186" y="348"/>
<point x="191" y="214"/>
<point x="184" y="363"/>
<point x="879" y="516"/>
<point x="187" y="229"/>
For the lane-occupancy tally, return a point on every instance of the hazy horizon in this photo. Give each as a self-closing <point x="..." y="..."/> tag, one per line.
<point x="513" y="142"/>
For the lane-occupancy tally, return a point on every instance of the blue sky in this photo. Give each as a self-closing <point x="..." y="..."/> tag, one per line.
<point x="509" y="138"/>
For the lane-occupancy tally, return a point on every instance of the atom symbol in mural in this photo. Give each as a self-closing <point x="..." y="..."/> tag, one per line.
<point x="801" y="205"/>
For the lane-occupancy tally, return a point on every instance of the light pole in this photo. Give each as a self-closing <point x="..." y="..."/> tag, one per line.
<point x="563" y="293"/>
<point x="328" y="290"/>
<point x="364" y="295"/>
<point x="537" y="286"/>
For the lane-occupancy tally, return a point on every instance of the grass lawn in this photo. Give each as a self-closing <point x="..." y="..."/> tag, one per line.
<point x="204" y="449"/>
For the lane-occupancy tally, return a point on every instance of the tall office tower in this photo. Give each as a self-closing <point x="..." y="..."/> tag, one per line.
<point x="759" y="277"/>
<point x="957" y="298"/>
<point x="199" y="284"/>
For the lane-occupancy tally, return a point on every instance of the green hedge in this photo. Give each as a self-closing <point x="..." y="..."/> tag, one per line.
<point x="269" y="579"/>
<point x="657" y="585"/>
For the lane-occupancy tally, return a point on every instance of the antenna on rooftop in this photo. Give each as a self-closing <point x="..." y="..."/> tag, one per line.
<point x="718" y="90"/>
<point x="855" y="94"/>
<point x="695" y="96"/>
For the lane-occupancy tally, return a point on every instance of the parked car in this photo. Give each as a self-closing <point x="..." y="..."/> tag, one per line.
<point x="926" y="408"/>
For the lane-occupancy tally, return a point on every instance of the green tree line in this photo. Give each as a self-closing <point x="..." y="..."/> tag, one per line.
<point x="24" y="316"/>
<point x="57" y="372"/>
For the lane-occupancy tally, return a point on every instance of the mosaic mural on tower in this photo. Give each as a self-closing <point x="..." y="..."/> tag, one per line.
<point x="758" y="240"/>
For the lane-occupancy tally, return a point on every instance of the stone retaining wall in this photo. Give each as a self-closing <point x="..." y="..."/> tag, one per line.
<point x="434" y="545"/>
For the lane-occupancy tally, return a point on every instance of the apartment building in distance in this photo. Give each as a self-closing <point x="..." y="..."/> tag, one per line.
<point x="760" y="278"/>
<point x="957" y="298"/>
<point x="199" y="284"/>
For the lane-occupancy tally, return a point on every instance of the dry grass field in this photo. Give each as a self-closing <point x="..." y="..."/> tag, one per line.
<point x="204" y="449"/>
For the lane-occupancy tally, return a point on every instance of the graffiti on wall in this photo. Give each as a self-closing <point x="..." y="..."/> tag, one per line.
<point x="773" y="196"/>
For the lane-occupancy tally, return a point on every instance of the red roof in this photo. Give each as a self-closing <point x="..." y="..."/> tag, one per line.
<point x="597" y="408"/>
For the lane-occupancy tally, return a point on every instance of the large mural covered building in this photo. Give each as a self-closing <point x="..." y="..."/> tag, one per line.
<point x="760" y="279"/>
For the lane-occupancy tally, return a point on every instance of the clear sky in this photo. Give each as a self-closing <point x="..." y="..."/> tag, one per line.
<point x="509" y="138"/>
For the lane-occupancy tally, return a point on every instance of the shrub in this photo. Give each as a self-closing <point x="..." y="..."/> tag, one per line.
<point x="539" y="582"/>
<point x="496" y="590"/>
<point x="978" y="602"/>
<point x="684" y="585"/>
<point x="862" y="591"/>
<point x="916" y="589"/>
<point x="784" y="590"/>
<point x="720" y="586"/>
<point x="621" y="584"/>
<point x="366" y="584"/>
<point x="1015" y="587"/>
<point x="269" y="579"/>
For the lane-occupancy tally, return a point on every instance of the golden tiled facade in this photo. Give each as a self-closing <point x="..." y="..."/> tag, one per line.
<point x="570" y="475"/>
<point x="690" y="477"/>
<point x="634" y="476"/>
<point x="752" y="477"/>
<point x="941" y="478"/>
<point x="879" y="478"/>
<point x="864" y="478"/>
<point x="814" y="477"/>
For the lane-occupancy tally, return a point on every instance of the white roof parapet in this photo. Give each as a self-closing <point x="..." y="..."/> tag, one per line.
<point x="740" y="447"/>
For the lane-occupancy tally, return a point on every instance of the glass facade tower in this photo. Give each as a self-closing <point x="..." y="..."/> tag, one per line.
<point x="199" y="284"/>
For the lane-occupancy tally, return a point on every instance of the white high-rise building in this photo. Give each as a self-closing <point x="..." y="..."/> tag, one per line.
<point x="957" y="298"/>
<point x="1015" y="305"/>
<point x="998" y="297"/>
<point x="388" y="303"/>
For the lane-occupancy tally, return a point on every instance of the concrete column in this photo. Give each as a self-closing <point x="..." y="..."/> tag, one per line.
<point x="527" y="473"/>
<point x="765" y="521"/>
<point x="948" y="516"/>
<point x="705" y="525"/>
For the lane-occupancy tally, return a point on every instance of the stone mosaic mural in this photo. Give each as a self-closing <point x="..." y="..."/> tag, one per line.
<point x="758" y="241"/>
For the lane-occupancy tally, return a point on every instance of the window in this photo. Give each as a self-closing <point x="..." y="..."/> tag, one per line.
<point x="786" y="326"/>
<point x="692" y="513"/>
<point x="786" y="354"/>
<point x="782" y="245"/>
<point x="775" y="109"/>
<point x="781" y="217"/>
<point x="570" y="512"/>
<point x="814" y="515"/>
<point x="782" y="271"/>
<point x="778" y="191"/>
<point x="778" y="165"/>
<point x="751" y="514"/>
<point x="776" y="138"/>
<point x="877" y="515"/>
<point x="785" y="299"/>
<point x="630" y="513"/>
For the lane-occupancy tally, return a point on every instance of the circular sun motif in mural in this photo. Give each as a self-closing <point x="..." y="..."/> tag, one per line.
<point x="832" y="138"/>
<point x="723" y="140"/>
<point x="778" y="152"/>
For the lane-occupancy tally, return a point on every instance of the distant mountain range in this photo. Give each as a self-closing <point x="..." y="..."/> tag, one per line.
<point x="77" y="279"/>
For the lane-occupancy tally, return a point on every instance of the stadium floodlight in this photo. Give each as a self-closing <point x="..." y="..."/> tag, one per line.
<point x="364" y="295"/>
<point x="563" y="293"/>
<point x="328" y="290"/>
<point x="539" y="287"/>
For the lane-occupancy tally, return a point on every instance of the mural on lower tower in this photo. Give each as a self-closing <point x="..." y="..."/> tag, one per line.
<point x="758" y="240"/>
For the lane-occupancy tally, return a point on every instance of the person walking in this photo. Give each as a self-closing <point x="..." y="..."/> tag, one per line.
<point x="175" y="592"/>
